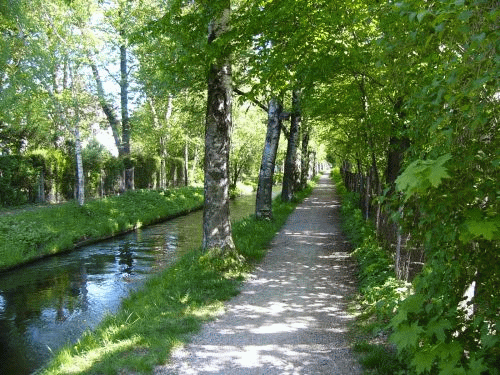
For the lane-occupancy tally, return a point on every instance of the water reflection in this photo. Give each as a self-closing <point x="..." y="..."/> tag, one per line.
<point x="49" y="303"/>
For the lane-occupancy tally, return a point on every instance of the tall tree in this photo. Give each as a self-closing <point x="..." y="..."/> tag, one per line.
<point x="124" y="93"/>
<point x="216" y="222"/>
<point x="114" y="28"/>
<point x="263" y="200"/>
<point x="291" y="175"/>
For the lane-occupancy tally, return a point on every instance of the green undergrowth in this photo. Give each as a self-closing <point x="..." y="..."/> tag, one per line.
<point x="379" y="290"/>
<point x="32" y="234"/>
<point x="172" y="305"/>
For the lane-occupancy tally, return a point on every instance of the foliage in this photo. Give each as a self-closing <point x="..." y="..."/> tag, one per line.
<point x="378" y="359"/>
<point x="21" y="176"/>
<point x="379" y="291"/>
<point x="247" y="139"/>
<point x="172" y="305"/>
<point x="16" y="180"/>
<point x="32" y="234"/>
<point x="450" y="187"/>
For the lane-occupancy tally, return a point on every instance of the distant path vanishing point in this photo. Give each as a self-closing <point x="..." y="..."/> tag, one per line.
<point x="290" y="317"/>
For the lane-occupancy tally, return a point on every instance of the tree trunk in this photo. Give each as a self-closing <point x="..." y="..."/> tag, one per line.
<point x="79" y="167"/>
<point x="125" y="147"/>
<point x="305" y="160"/>
<point x="195" y="162"/>
<point x="397" y="146"/>
<point x="162" y="184"/>
<point x="263" y="201"/>
<point x="186" y="161"/>
<point x="291" y="171"/>
<point x="315" y="164"/>
<point x="216" y="222"/>
<point x="106" y="108"/>
<point x="41" y="187"/>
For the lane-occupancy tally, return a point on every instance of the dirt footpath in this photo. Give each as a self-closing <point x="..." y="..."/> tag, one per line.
<point x="290" y="317"/>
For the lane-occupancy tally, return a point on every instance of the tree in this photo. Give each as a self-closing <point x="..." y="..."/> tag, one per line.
<point x="115" y="27"/>
<point x="291" y="175"/>
<point x="263" y="200"/>
<point x="216" y="222"/>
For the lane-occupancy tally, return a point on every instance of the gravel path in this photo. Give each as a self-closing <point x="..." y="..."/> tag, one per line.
<point x="290" y="317"/>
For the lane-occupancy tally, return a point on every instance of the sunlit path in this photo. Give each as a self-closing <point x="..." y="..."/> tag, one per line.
<point x="290" y="318"/>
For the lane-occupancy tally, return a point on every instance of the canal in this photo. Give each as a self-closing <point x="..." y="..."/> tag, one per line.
<point x="49" y="303"/>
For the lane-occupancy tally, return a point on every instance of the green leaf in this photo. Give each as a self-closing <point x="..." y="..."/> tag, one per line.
<point x="422" y="174"/>
<point x="465" y="15"/>
<point x="438" y="328"/>
<point x="476" y="227"/>
<point x="488" y="340"/>
<point x="476" y="366"/>
<point x="423" y="360"/>
<point x="438" y="171"/>
<point x="421" y="15"/>
<point x="450" y="354"/>
<point x="399" y="318"/>
<point x="406" y="336"/>
<point x="413" y="303"/>
<point x="439" y="27"/>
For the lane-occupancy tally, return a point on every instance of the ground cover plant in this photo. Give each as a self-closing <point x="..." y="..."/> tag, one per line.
<point x="172" y="304"/>
<point x="32" y="234"/>
<point x="379" y="290"/>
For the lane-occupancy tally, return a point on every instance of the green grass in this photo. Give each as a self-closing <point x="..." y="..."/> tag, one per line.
<point x="172" y="305"/>
<point x="31" y="234"/>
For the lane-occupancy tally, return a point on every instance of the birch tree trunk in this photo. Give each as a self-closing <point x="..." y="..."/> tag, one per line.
<point x="263" y="201"/>
<point x="291" y="172"/>
<point x="80" y="182"/>
<point x="216" y="222"/>
<point x="305" y="161"/>
<point x="79" y="167"/>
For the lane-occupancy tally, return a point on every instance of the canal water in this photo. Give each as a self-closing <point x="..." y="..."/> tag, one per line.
<point x="49" y="303"/>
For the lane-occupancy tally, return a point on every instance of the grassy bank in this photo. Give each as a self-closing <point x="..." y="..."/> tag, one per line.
<point x="172" y="305"/>
<point x="379" y="290"/>
<point x="32" y="234"/>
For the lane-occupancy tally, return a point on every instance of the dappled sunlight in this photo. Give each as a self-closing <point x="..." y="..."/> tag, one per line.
<point x="290" y="317"/>
<point x="264" y="359"/>
<point x="286" y="319"/>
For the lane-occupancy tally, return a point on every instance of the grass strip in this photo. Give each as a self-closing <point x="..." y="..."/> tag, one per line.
<point x="172" y="305"/>
<point x="379" y="290"/>
<point x="32" y="234"/>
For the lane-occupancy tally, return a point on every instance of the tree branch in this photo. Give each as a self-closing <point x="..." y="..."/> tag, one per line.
<point x="253" y="100"/>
